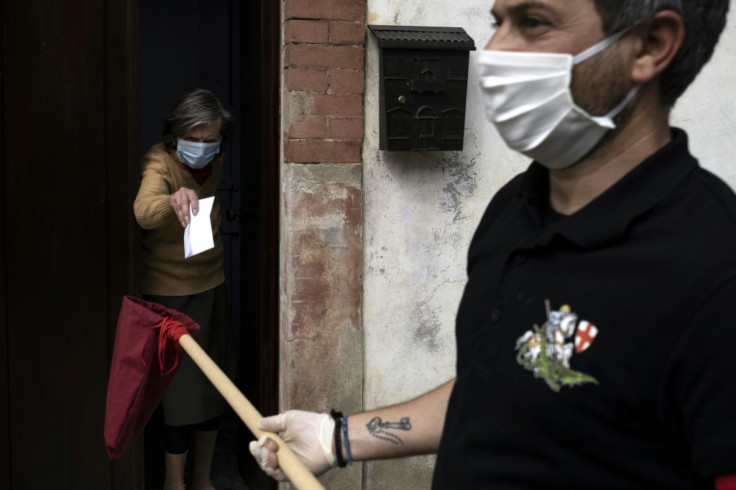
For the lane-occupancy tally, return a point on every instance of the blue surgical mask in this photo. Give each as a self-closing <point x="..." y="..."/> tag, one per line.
<point x="195" y="154"/>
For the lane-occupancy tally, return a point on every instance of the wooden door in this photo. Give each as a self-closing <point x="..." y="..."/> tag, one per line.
<point x="68" y="248"/>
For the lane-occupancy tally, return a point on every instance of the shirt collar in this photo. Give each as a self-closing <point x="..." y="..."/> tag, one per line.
<point x="607" y="218"/>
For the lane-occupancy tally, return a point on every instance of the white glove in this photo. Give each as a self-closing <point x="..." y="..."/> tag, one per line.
<point x="308" y="434"/>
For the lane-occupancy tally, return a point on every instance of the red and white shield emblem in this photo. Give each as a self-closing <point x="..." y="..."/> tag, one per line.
<point x="584" y="336"/>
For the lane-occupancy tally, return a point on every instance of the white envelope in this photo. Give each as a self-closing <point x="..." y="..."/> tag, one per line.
<point x="198" y="233"/>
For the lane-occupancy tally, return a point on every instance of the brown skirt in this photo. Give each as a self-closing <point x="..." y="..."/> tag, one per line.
<point x="191" y="398"/>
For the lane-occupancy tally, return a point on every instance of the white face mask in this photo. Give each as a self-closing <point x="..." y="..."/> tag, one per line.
<point x="195" y="154"/>
<point x="527" y="97"/>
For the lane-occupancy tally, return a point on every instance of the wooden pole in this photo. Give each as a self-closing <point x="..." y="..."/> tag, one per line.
<point x="294" y="469"/>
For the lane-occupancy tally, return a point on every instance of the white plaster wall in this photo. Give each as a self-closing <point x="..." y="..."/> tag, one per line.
<point x="421" y="209"/>
<point x="707" y="111"/>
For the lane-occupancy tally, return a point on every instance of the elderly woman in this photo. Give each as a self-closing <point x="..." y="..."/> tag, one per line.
<point x="184" y="168"/>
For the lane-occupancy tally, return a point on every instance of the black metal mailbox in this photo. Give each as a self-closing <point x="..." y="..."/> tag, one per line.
<point x="424" y="86"/>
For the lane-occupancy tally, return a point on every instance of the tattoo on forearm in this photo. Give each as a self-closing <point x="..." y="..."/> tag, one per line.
<point x="379" y="429"/>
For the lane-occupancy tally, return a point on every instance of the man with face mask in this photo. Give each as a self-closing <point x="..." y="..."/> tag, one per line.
<point x="184" y="168"/>
<point x="596" y="329"/>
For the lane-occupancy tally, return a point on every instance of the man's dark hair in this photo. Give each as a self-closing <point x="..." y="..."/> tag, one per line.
<point x="704" y="21"/>
<point x="195" y="108"/>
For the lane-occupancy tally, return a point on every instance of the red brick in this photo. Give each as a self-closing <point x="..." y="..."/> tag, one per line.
<point x="352" y="10"/>
<point x="347" y="82"/>
<point x="309" y="128"/>
<point x="317" y="56"/>
<point x="347" y="33"/>
<point x="306" y="31"/>
<point x="323" y="151"/>
<point x="337" y="105"/>
<point x="301" y="79"/>
<point x="346" y="128"/>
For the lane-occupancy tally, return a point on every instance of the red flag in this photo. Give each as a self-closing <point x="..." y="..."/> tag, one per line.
<point x="145" y="358"/>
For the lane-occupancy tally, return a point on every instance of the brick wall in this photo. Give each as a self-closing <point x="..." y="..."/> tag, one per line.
<point x="321" y="354"/>
<point x="324" y="69"/>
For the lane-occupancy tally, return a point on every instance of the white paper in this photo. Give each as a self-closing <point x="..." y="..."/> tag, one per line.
<point x="198" y="233"/>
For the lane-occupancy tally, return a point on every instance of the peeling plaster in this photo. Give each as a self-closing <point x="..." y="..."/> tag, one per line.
<point x="321" y="268"/>
<point x="462" y="181"/>
<point x="427" y="327"/>
<point x="298" y="105"/>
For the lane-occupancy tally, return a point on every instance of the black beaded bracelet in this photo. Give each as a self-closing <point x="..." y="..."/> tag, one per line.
<point x="338" y="441"/>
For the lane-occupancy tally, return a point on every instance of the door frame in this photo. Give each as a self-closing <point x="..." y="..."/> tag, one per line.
<point x="261" y="135"/>
<point x="4" y="390"/>
<point x="123" y="104"/>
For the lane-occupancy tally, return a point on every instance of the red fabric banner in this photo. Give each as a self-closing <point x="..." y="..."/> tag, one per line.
<point x="726" y="482"/>
<point x="145" y="358"/>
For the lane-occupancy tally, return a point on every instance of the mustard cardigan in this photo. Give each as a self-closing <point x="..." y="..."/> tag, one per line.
<point x="165" y="271"/>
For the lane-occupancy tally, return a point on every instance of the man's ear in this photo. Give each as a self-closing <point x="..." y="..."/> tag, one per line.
<point x="660" y="41"/>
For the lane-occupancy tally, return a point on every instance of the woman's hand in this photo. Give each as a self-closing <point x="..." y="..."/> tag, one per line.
<point x="180" y="201"/>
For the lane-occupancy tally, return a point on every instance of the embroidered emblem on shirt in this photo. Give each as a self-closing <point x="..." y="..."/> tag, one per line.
<point x="546" y="350"/>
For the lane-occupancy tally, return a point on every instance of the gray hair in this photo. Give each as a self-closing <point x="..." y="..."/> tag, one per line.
<point x="704" y="21"/>
<point x="198" y="107"/>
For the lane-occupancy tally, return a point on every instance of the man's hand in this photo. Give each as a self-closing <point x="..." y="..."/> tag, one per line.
<point x="180" y="201"/>
<point x="310" y="435"/>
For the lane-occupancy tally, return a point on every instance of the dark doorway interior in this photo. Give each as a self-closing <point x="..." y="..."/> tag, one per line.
<point x="221" y="45"/>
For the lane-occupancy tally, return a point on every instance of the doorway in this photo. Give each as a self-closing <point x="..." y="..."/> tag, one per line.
<point x="231" y="48"/>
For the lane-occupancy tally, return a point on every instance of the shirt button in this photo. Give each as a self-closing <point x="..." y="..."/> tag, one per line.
<point x="520" y="259"/>
<point x="496" y="315"/>
<point x="524" y="298"/>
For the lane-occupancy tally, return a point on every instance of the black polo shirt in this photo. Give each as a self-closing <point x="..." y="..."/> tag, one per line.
<point x="597" y="350"/>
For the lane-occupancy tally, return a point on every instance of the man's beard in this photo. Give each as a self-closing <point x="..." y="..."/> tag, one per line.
<point x="600" y="83"/>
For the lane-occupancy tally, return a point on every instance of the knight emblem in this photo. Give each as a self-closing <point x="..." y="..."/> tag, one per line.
<point x="546" y="350"/>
